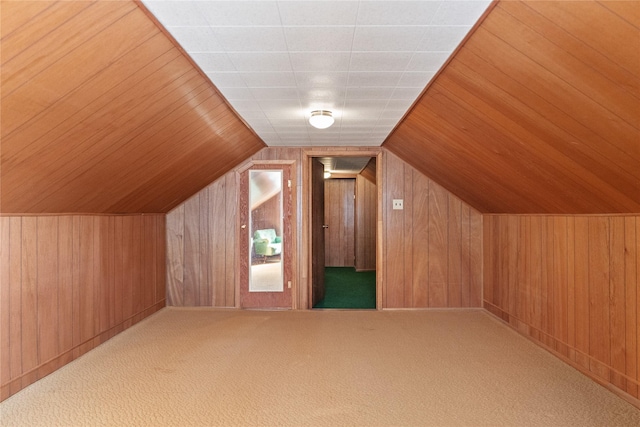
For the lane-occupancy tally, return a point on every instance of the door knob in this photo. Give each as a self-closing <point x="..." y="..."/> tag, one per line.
<point x="325" y="226"/>
<point x="243" y="226"/>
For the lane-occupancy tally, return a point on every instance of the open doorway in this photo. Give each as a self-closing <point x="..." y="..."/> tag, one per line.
<point x="344" y="214"/>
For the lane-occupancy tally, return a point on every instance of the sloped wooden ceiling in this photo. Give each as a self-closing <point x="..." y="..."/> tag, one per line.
<point x="539" y="112"/>
<point x="101" y="112"/>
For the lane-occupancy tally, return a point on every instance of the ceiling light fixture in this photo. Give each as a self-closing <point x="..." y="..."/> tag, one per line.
<point x="321" y="119"/>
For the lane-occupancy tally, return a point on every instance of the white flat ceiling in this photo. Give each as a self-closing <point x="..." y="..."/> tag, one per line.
<point x="276" y="61"/>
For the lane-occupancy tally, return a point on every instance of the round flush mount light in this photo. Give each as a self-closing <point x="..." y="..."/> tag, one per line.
<point x="321" y="119"/>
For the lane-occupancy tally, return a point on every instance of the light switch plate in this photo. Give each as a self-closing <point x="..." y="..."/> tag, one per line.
<point x="398" y="204"/>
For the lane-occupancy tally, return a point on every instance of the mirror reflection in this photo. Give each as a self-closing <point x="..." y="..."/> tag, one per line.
<point x="266" y="245"/>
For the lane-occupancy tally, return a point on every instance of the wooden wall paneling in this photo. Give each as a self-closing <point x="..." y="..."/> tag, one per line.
<point x="523" y="274"/>
<point x="394" y="290"/>
<point x="175" y="256"/>
<point x="438" y="270"/>
<point x="454" y="246"/>
<point x="599" y="277"/>
<point x="218" y="253"/>
<point x="560" y="301"/>
<point x="93" y="54"/>
<point x="547" y="263"/>
<point x="582" y="305"/>
<point x="407" y="238"/>
<point x="205" y="253"/>
<point x="149" y="260"/>
<point x="617" y="293"/>
<point x="571" y="288"/>
<point x="420" y="241"/>
<point x="29" y="297"/>
<point x="511" y="301"/>
<point x="536" y="307"/>
<point x="119" y="280"/>
<point x="47" y="288"/>
<point x="15" y="284"/>
<point x="491" y="255"/>
<point x="465" y="249"/>
<point x="231" y="229"/>
<point x="5" y="306"/>
<point x="475" y="259"/>
<point x="161" y="256"/>
<point x="13" y="19"/>
<point x="58" y="297"/>
<point x="128" y="277"/>
<point x="138" y="292"/>
<point x="365" y="224"/>
<point x="192" y="252"/>
<point x="86" y="283"/>
<point x="638" y="302"/>
<point x="631" y="305"/>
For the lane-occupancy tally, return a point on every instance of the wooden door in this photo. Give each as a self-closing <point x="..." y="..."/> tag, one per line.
<point x="317" y="231"/>
<point x="265" y="237"/>
<point x="338" y="215"/>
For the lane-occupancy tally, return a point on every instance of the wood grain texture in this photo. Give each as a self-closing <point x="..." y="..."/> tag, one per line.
<point x="587" y="313"/>
<point x="339" y="237"/>
<point x="400" y="246"/>
<point x="105" y="122"/>
<point x="365" y="224"/>
<point x="59" y="281"/>
<point x="538" y="112"/>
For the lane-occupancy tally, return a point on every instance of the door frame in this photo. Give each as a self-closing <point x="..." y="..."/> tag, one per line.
<point x="307" y="156"/>
<point x="293" y="220"/>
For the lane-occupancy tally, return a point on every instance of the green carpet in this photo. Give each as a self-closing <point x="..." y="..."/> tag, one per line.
<point x="346" y="288"/>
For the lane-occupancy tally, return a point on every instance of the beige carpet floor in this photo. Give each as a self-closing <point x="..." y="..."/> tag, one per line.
<point x="193" y="367"/>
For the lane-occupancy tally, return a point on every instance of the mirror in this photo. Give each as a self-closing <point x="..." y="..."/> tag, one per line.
<point x="266" y="244"/>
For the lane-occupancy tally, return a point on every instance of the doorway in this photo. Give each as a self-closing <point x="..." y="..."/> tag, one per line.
<point x="344" y="213"/>
<point x="265" y="236"/>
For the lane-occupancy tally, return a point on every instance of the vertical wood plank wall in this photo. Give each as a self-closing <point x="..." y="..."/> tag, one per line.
<point x="69" y="283"/>
<point x="433" y="247"/>
<point x="432" y="253"/>
<point x="339" y="238"/>
<point x="365" y="227"/>
<point x="572" y="284"/>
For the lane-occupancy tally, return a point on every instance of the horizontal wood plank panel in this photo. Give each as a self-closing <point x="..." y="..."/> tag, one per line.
<point x="536" y="113"/>
<point x="107" y="122"/>
<point x="587" y="312"/>
<point x="59" y="276"/>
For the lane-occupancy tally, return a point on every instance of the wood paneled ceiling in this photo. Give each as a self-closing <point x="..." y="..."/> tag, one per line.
<point x="102" y="112"/>
<point x="539" y="112"/>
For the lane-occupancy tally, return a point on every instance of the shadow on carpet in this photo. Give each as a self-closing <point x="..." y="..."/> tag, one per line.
<point x="346" y="288"/>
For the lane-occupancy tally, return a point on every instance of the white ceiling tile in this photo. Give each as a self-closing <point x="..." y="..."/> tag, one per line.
<point x="269" y="79"/>
<point x="456" y="12"/>
<point x="406" y="92"/>
<point x="262" y="125"/>
<point x="427" y="61"/>
<point x="233" y="93"/>
<point x="379" y="61"/>
<point x="335" y="95"/>
<point x="260" y="61"/>
<point x="351" y="104"/>
<point x="295" y="123"/>
<point x="369" y="92"/>
<point x="318" y="13"/>
<point x="196" y="39"/>
<point x="246" y="105"/>
<point x="274" y="92"/>
<point x="416" y="79"/>
<point x="251" y="39"/>
<point x="212" y="62"/>
<point x="319" y="39"/>
<point x="399" y="104"/>
<point x="397" y="12"/>
<point x="240" y="13"/>
<point x="229" y="79"/>
<point x="173" y="13"/>
<point x="323" y="79"/>
<point x="392" y="38"/>
<point x="320" y="61"/>
<point x="374" y="79"/>
<point x="442" y="39"/>
<point x="249" y="114"/>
